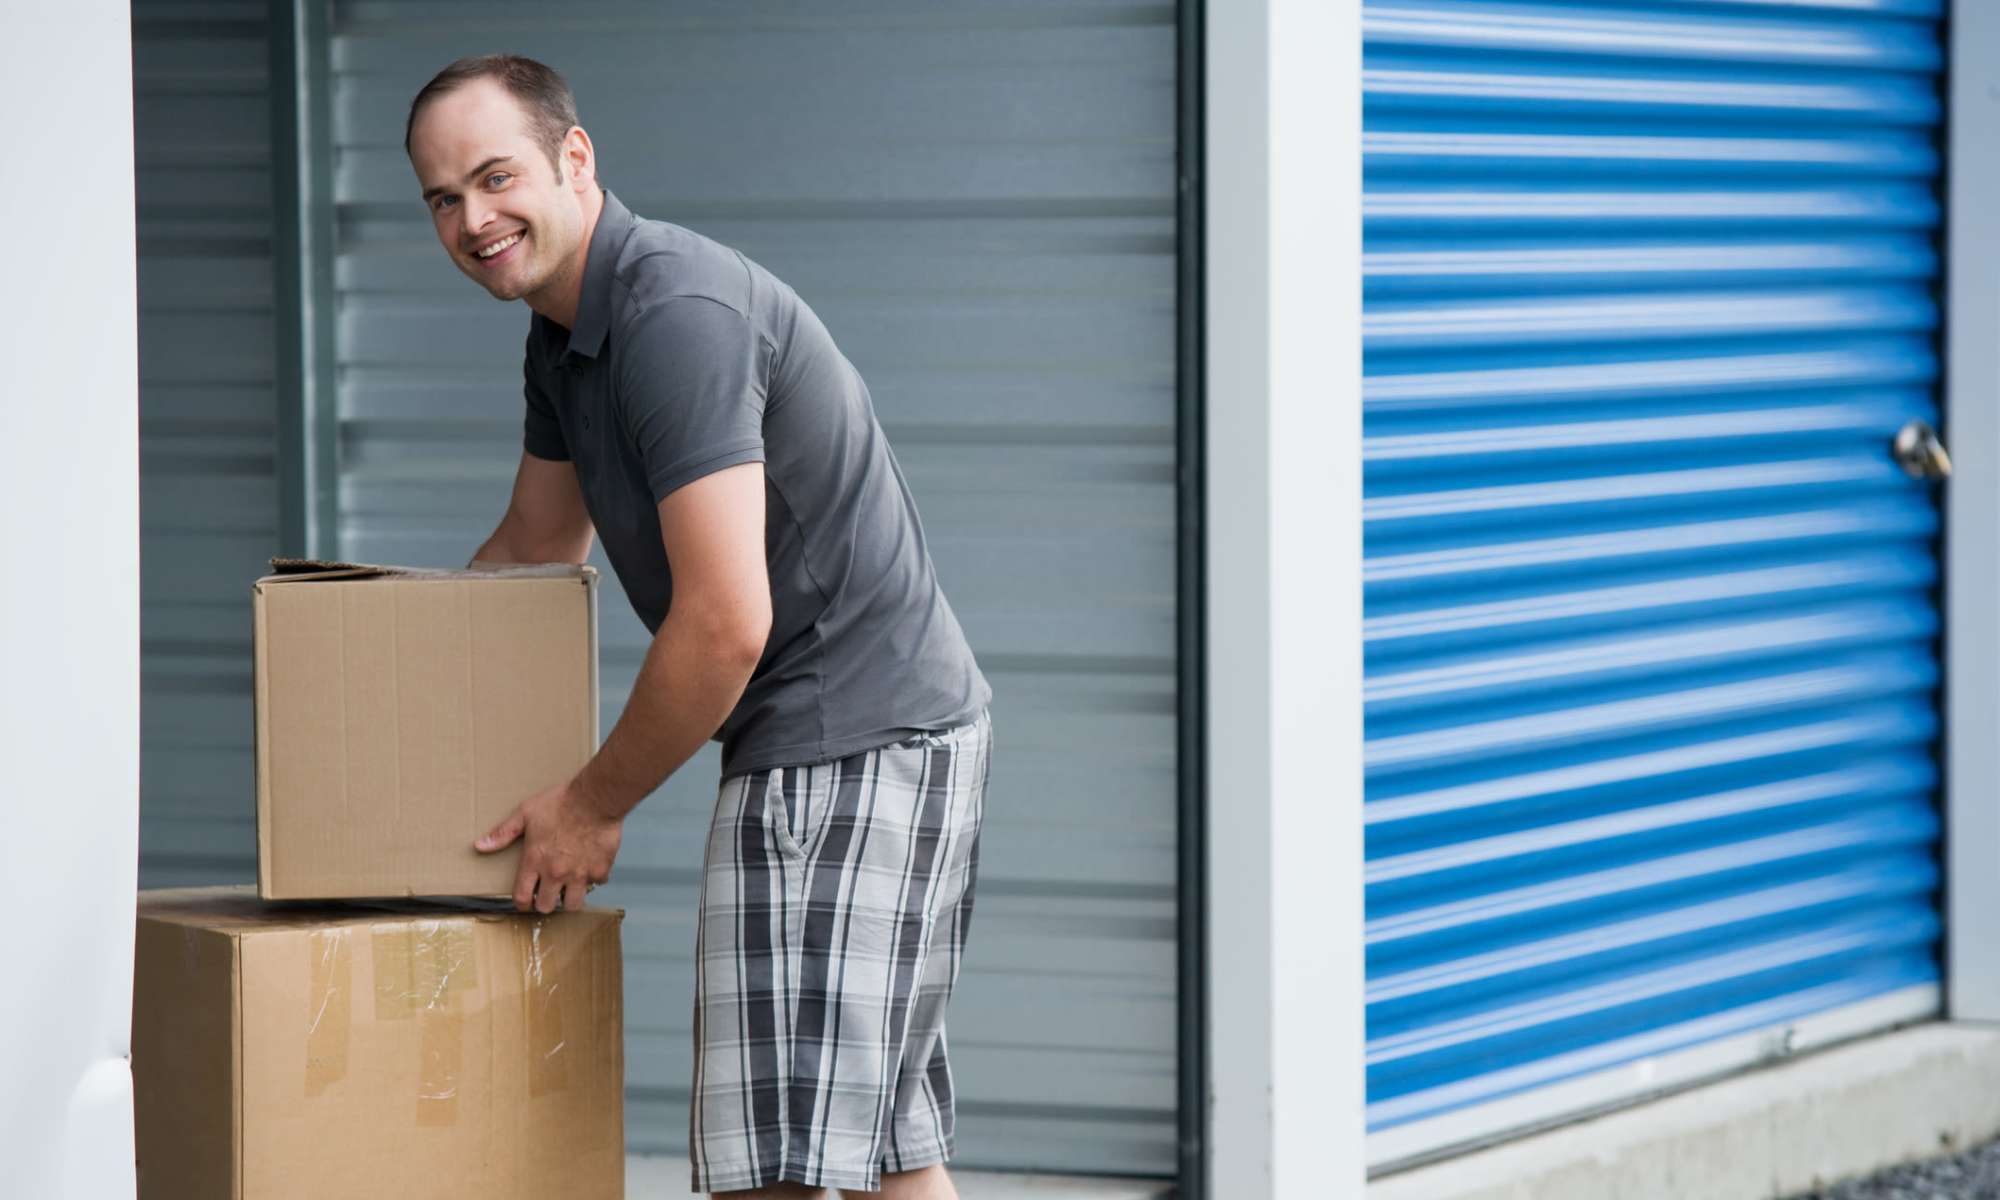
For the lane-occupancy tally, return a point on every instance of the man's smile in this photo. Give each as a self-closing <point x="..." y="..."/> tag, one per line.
<point x="498" y="251"/>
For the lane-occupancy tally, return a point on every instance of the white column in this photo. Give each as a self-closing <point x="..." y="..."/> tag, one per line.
<point x="1283" y="311"/>
<point x="69" y="600"/>
<point x="1972" y="520"/>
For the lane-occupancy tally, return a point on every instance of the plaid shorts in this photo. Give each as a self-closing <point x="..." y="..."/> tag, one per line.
<point x="835" y="902"/>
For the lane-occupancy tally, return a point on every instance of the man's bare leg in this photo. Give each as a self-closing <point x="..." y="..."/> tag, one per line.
<point x="924" y="1183"/>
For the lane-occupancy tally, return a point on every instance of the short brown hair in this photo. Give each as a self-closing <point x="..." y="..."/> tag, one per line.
<point x="543" y="94"/>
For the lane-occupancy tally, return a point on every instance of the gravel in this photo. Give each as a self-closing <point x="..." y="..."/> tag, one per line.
<point x="1973" y="1175"/>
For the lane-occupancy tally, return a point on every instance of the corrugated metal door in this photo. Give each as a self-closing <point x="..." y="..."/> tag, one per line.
<point x="979" y="200"/>
<point x="209" y="509"/>
<point x="1650" y="609"/>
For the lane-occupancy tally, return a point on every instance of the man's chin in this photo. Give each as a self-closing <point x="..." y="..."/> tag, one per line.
<point x="503" y="291"/>
<point x="500" y="289"/>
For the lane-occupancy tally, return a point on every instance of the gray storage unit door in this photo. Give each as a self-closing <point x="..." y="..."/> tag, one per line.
<point x="979" y="201"/>
<point x="209" y="511"/>
<point x="1651" y="617"/>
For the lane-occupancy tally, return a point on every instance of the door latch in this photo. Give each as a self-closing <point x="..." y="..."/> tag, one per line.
<point x="1920" y="451"/>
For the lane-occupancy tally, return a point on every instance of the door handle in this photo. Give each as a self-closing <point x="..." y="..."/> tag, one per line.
<point x="1920" y="451"/>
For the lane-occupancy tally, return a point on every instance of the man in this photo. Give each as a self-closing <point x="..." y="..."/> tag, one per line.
<point x="688" y="408"/>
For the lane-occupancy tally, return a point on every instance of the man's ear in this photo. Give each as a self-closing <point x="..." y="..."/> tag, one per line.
<point x="579" y="159"/>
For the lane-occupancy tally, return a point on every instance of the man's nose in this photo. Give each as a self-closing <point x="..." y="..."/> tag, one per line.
<point x="473" y="217"/>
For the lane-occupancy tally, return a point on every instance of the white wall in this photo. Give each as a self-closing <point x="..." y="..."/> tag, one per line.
<point x="1972" y="519"/>
<point x="69" y="599"/>
<point x="1283" y="544"/>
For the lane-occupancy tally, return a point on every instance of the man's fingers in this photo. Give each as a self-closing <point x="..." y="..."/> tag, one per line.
<point x="573" y="895"/>
<point x="548" y="894"/>
<point x="503" y="835"/>
<point x="524" y="889"/>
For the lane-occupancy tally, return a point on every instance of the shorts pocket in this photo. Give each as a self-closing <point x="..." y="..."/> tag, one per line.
<point x="795" y="805"/>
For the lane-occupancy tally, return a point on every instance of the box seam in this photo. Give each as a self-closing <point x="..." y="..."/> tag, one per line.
<point x="595" y="696"/>
<point x="236" y="1072"/>
<point x="261" y="734"/>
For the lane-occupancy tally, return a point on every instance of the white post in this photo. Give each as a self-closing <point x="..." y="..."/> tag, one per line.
<point x="69" y="601"/>
<point x="1283" y="314"/>
<point x="1972" y="520"/>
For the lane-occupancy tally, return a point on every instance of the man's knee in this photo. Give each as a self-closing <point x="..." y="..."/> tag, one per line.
<point x="924" y="1183"/>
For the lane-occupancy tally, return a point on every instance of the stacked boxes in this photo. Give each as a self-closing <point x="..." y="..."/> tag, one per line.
<point x="325" y="1035"/>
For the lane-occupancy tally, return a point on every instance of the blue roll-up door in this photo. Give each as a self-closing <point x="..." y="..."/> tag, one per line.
<point x="1651" y="618"/>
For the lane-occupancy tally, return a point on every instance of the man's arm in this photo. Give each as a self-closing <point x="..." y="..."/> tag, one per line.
<point x="545" y="521"/>
<point x="707" y="647"/>
<point x="699" y="663"/>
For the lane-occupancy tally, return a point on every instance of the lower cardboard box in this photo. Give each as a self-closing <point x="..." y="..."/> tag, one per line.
<point x="308" y="1051"/>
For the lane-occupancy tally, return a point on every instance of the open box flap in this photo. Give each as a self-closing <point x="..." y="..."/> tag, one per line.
<point x="306" y="570"/>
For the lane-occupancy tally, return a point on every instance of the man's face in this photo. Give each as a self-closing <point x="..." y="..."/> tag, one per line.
<point x="508" y="218"/>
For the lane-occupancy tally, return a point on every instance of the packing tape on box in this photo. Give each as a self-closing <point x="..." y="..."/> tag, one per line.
<point x="548" y="1048"/>
<point x="443" y="1054"/>
<point x="419" y="964"/>
<point x="329" y="1007"/>
<point x="418" y="967"/>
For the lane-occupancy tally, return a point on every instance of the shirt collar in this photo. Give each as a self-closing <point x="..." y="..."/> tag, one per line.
<point x="593" y="306"/>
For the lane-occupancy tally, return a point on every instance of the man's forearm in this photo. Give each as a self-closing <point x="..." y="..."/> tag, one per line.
<point x="496" y="548"/>
<point x="692" y="677"/>
<point x="515" y="542"/>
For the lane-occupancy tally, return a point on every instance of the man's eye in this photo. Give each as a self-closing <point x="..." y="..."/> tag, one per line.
<point x="497" y="178"/>
<point x="441" y="203"/>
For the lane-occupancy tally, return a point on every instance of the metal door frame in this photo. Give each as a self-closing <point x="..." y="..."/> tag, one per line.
<point x="1191" y="1012"/>
<point x="1971" y="544"/>
<point x="307" y="398"/>
<point x="1280" y="1092"/>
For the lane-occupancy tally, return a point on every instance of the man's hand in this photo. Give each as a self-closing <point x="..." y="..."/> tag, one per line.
<point x="709" y="644"/>
<point x="568" y="847"/>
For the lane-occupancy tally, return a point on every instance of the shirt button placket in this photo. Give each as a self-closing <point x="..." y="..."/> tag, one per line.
<point x="579" y="392"/>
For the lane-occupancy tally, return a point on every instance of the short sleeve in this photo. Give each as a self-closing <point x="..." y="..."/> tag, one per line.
<point x="691" y="388"/>
<point x="542" y="434"/>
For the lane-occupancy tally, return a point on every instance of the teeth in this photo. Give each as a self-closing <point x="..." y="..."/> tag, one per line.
<point x="498" y="246"/>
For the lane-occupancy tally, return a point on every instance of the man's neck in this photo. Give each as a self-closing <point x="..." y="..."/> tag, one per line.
<point x="559" y="301"/>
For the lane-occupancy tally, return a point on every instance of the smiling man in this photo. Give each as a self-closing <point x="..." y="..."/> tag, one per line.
<point x="688" y="408"/>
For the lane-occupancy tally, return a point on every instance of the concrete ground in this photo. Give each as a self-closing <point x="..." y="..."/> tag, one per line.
<point x="1973" y="1175"/>
<point x="1819" y="1126"/>
<point x="647" y="1178"/>
<point x="1817" y="1121"/>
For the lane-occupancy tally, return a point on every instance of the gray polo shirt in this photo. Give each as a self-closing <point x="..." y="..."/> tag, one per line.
<point x="687" y="358"/>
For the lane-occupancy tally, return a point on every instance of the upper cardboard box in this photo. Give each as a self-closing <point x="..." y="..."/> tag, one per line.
<point x="402" y="712"/>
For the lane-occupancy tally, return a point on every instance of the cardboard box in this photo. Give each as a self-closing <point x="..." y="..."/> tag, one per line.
<point x="402" y="713"/>
<point x="287" y="1052"/>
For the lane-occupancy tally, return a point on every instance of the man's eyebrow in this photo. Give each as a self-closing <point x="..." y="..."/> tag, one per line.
<point x="471" y="175"/>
